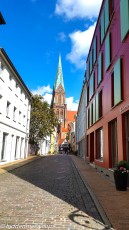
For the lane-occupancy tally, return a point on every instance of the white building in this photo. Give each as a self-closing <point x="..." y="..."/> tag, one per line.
<point x="44" y="146"/>
<point x="81" y="121"/>
<point x="14" y="112"/>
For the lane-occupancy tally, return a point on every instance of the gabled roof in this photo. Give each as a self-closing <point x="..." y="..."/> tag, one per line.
<point x="59" y="75"/>
<point x="71" y="115"/>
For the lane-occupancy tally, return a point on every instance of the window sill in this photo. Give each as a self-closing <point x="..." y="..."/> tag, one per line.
<point x="10" y="88"/>
<point x="14" y="121"/>
<point x="2" y="79"/>
<point x="19" y="123"/>
<point x="116" y="104"/>
<point x="16" y="95"/>
<point x="8" y="117"/>
<point x="100" y="160"/>
<point x="3" y="160"/>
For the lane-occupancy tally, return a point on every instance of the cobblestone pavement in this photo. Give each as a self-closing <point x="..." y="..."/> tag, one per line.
<point x="47" y="193"/>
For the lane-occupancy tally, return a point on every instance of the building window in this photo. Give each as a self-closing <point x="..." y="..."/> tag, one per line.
<point x="87" y="71"/>
<point x="106" y="14"/>
<point x="87" y="95"/>
<point x="102" y="26"/>
<point x="108" y="50"/>
<point x="124" y="18"/>
<point x="88" y="118"/>
<point x="95" y="50"/>
<point x="57" y="113"/>
<point x="91" y="61"/>
<point x="100" y="68"/>
<point x="126" y="128"/>
<point x="111" y="8"/>
<point x="94" y="115"/>
<point x="16" y="147"/>
<point x="10" y="81"/>
<point x="14" y="114"/>
<point x="59" y="99"/>
<point x="99" y="144"/>
<point x="98" y="105"/>
<point x="19" y="117"/>
<point x="91" y="114"/>
<point x="21" y="147"/>
<point x="61" y="114"/>
<point x="91" y="86"/>
<point x="99" y="37"/>
<point x="104" y="20"/>
<point x="4" y="143"/>
<point x="24" y="120"/>
<point x="16" y="89"/>
<point x="116" y="83"/>
<point x="113" y="144"/>
<point x="8" y="108"/>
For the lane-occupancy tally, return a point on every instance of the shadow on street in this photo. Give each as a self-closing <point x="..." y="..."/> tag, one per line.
<point x="57" y="175"/>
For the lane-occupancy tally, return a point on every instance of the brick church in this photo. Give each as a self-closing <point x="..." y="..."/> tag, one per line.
<point x="65" y="117"/>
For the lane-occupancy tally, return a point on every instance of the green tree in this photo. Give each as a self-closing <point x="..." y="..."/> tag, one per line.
<point x="67" y="137"/>
<point x="42" y="120"/>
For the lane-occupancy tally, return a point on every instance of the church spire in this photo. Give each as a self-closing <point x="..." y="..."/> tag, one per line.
<point x="59" y="75"/>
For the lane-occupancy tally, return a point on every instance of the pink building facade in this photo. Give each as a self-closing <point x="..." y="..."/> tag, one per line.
<point x="107" y="81"/>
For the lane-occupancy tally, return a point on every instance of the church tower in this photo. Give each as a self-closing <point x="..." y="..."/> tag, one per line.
<point x="58" y="97"/>
<point x="64" y="116"/>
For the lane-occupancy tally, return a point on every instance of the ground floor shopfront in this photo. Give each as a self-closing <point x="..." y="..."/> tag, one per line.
<point x="108" y="139"/>
<point x="13" y="144"/>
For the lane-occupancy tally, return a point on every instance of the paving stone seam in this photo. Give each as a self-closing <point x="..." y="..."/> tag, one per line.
<point x="16" y="165"/>
<point x="100" y="209"/>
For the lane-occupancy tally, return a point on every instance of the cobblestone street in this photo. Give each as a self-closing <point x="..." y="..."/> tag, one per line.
<point x="47" y="193"/>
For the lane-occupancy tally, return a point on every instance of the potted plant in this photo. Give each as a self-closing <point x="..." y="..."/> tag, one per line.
<point x="121" y="175"/>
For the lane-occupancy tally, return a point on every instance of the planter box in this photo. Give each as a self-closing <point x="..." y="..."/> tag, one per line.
<point x="120" y="180"/>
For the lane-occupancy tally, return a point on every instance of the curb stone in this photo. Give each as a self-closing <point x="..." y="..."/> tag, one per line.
<point x="102" y="213"/>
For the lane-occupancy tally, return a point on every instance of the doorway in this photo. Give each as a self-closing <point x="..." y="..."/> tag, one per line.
<point x="113" y="143"/>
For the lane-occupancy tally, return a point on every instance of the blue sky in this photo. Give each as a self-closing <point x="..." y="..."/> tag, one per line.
<point x="36" y="31"/>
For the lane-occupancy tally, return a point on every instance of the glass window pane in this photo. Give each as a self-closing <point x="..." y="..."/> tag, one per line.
<point x="106" y="14"/>
<point x="95" y="49"/>
<point x="117" y="82"/>
<point x="94" y="118"/>
<point x="100" y="68"/>
<point x="97" y="107"/>
<point x="124" y="16"/>
<point x="107" y="51"/>
<point x="102" y="27"/>
<point x="91" y="86"/>
<point x="91" y="64"/>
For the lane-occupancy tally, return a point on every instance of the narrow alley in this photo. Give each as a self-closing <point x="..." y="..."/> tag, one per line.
<point x="47" y="193"/>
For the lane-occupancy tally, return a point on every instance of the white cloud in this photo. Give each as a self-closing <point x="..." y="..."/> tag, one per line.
<point x="47" y="97"/>
<point x="46" y="92"/>
<point x="71" y="105"/>
<point x="42" y="90"/>
<point x="81" y="41"/>
<point x="78" y="8"/>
